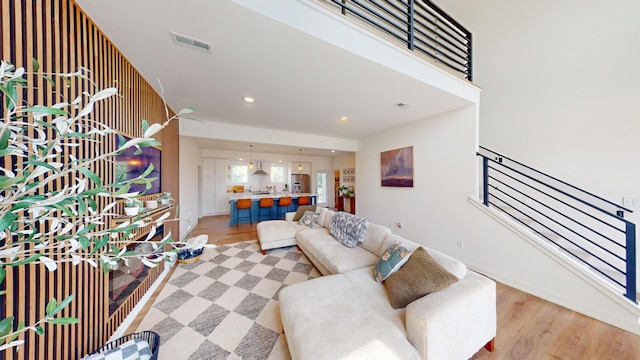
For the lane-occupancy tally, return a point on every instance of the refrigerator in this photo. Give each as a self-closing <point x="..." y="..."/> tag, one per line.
<point x="300" y="183"/>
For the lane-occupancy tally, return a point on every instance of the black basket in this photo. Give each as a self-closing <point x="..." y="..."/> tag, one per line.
<point x="149" y="336"/>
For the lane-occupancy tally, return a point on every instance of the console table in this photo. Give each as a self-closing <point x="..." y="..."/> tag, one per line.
<point x="340" y="203"/>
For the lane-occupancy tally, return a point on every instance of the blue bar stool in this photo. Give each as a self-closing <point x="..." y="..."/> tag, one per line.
<point x="265" y="203"/>
<point x="283" y="206"/>
<point x="243" y="204"/>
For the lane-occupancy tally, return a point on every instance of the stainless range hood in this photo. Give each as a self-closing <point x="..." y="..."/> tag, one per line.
<point x="259" y="170"/>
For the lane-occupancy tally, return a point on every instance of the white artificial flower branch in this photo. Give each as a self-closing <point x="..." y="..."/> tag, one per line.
<point x="67" y="225"/>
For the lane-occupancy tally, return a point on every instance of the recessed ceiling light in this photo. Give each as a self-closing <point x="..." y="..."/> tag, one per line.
<point x="333" y="151"/>
<point x="248" y="99"/>
<point x="240" y="159"/>
<point x="344" y="118"/>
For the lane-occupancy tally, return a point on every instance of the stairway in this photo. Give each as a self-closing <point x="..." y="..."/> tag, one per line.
<point x="586" y="230"/>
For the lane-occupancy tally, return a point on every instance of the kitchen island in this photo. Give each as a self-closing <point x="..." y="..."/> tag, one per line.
<point x="255" y="205"/>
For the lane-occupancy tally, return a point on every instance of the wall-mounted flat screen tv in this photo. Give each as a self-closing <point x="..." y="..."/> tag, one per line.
<point x="130" y="165"/>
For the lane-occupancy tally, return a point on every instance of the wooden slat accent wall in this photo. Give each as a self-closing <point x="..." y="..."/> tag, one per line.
<point x="62" y="38"/>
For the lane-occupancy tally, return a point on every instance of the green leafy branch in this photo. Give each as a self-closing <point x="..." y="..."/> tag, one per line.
<point x="39" y="139"/>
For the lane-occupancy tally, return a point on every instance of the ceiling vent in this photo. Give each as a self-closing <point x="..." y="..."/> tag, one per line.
<point x="402" y="105"/>
<point x="190" y="42"/>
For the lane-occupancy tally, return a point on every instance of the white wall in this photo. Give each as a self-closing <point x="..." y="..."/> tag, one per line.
<point x="189" y="162"/>
<point x="444" y="177"/>
<point x="344" y="161"/>
<point x="560" y="91"/>
<point x="437" y="213"/>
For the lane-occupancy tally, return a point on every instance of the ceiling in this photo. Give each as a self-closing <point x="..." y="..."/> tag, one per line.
<point x="301" y="83"/>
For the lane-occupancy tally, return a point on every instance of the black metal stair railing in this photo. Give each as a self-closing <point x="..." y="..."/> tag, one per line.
<point x="588" y="228"/>
<point x="418" y="24"/>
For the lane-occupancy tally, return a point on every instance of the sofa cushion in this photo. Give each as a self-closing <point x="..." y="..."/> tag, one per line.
<point x="328" y="217"/>
<point x="302" y="209"/>
<point x="374" y="237"/>
<point x="390" y="261"/>
<point x="322" y="214"/>
<point x="331" y="254"/>
<point x="309" y="218"/>
<point x="333" y="318"/>
<point x="420" y="276"/>
<point x="454" y="266"/>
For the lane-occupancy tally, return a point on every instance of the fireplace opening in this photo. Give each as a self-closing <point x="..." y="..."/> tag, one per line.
<point x="127" y="275"/>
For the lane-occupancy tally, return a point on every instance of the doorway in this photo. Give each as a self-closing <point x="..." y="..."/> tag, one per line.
<point x="336" y="184"/>
<point x="322" y="193"/>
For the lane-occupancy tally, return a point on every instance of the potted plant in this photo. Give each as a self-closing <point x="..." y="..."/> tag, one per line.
<point x="342" y="190"/>
<point x="165" y="198"/>
<point x="132" y="206"/>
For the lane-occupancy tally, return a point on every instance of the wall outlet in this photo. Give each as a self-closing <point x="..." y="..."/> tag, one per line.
<point x="460" y="243"/>
<point x="630" y="202"/>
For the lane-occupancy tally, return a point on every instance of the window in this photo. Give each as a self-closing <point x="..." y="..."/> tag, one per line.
<point x="239" y="174"/>
<point x="277" y="174"/>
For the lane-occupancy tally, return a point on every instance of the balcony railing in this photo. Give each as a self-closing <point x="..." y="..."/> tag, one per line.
<point x="419" y="25"/>
<point x="584" y="226"/>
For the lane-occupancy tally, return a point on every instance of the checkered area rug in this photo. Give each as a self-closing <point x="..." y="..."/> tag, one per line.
<point x="225" y="306"/>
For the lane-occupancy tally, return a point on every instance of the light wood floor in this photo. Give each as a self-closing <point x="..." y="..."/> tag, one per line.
<point x="528" y="327"/>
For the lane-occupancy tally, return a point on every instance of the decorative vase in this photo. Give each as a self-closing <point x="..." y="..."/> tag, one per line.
<point x="151" y="204"/>
<point x="131" y="211"/>
<point x="164" y="201"/>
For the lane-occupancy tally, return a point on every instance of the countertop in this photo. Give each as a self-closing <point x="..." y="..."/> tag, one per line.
<point x="236" y="196"/>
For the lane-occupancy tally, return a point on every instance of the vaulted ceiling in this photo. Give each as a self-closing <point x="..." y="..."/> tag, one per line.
<point x="300" y="83"/>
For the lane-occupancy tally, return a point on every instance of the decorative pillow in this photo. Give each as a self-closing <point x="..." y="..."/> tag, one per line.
<point x="302" y="209"/>
<point x="347" y="229"/>
<point x="391" y="260"/>
<point x="420" y="275"/>
<point x="131" y="350"/>
<point x="309" y="218"/>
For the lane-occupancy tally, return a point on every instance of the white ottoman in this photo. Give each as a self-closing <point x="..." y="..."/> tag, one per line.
<point x="277" y="233"/>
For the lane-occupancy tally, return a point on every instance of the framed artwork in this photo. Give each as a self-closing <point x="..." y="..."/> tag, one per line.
<point x="349" y="175"/>
<point x="396" y="167"/>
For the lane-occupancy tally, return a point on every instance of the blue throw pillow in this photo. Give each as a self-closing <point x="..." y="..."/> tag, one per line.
<point x="391" y="260"/>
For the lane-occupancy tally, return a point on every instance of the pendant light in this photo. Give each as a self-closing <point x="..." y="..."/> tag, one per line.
<point x="251" y="156"/>
<point x="300" y="162"/>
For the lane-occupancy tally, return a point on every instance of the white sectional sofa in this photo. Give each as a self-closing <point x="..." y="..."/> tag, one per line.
<point x="347" y="313"/>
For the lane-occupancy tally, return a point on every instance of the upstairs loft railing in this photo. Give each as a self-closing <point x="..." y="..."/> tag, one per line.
<point x="419" y="25"/>
<point x="584" y="226"/>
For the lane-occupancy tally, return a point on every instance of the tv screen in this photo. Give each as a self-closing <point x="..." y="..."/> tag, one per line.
<point x="130" y="165"/>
